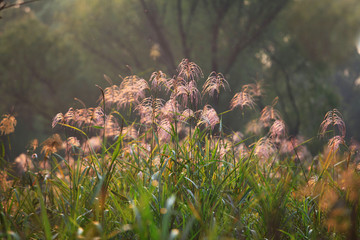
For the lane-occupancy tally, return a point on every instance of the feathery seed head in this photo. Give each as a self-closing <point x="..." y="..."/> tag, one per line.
<point x="214" y="83"/>
<point x="33" y="144"/>
<point x="7" y="124"/>
<point x="237" y="137"/>
<point x="209" y="116"/>
<point x="186" y="114"/>
<point x="58" y="118"/>
<point x="241" y="150"/>
<point x="264" y="148"/>
<point x="164" y="130"/>
<point x="111" y="95"/>
<point x="174" y="84"/>
<point x="170" y="109"/>
<point x="242" y="99"/>
<point x="97" y="117"/>
<point x="70" y="143"/>
<point x="149" y="110"/>
<point x="23" y="164"/>
<point x="189" y="70"/>
<point x="294" y="146"/>
<point x="158" y="79"/>
<point x="155" y="51"/>
<point x="256" y="88"/>
<point x="132" y="90"/>
<point x="93" y="144"/>
<point x="112" y="128"/>
<point x="255" y="126"/>
<point x="278" y="129"/>
<point x="188" y="92"/>
<point x="130" y="133"/>
<point x="69" y="116"/>
<point x="269" y="114"/>
<point x="335" y="142"/>
<point x="73" y="142"/>
<point x="333" y="118"/>
<point x="51" y="145"/>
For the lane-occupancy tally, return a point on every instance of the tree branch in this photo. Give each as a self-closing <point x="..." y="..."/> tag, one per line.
<point x="151" y="16"/>
<point x="244" y="42"/>
<point x="220" y="15"/>
<point x="38" y="76"/>
<point x="295" y="128"/>
<point x="183" y="35"/>
<point x="125" y="47"/>
<point x="93" y="50"/>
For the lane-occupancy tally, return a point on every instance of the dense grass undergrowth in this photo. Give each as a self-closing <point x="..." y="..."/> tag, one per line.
<point x="140" y="167"/>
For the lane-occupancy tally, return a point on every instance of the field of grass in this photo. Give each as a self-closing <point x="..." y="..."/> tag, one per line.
<point x="140" y="167"/>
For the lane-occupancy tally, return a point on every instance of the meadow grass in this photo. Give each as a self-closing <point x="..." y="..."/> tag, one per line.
<point x="140" y="167"/>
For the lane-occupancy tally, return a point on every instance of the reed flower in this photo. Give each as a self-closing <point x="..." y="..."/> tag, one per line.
<point x="333" y="118"/>
<point x="173" y="84"/>
<point x="269" y="114"/>
<point x="112" y="128"/>
<point x="328" y="198"/>
<point x="264" y="148"/>
<point x="256" y="89"/>
<point x="186" y="114"/>
<point x="335" y="142"/>
<point x="350" y="182"/>
<point x="155" y="51"/>
<point x="164" y="130"/>
<point x="70" y="144"/>
<point x="69" y="116"/>
<point x="51" y="145"/>
<point x="237" y="137"/>
<point x="278" y="129"/>
<point x="242" y="99"/>
<point x="7" y="124"/>
<point x="189" y="70"/>
<point x="81" y="117"/>
<point x="209" y="117"/>
<point x="224" y="147"/>
<point x="241" y="150"/>
<point x="111" y="95"/>
<point x="171" y="109"/>
<point x="58" y="118"/>
<point x="255" y="126"/>
<point x="158" y="79"/>
<point x="73" y="142"/>
<point x="295" y="147"/>
<point x="149" y="109"/>
<point x="23" y="164"/>
<point x="33" y="144"/>
<point x="188" y="93"/>
<point x="214" y="83"/>
<point x="93" y="144"/>
<point x="132" y="90"/>
<point x="97" y="117"/>
<point x="130" y="133"/>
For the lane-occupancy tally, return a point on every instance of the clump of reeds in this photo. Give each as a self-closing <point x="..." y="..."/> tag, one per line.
<point x="153" y="161"/>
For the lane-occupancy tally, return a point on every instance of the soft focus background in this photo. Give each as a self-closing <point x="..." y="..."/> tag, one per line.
<point x="303" y="51"/>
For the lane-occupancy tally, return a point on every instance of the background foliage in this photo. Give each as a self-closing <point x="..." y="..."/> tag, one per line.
<point x="303" y="51"/>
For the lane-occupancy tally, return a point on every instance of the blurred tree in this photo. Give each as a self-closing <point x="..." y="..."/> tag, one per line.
<point x="296" y="47"/>
<point x="40" y="75"/>
<point x="307" y="51"/>
<point x="292" y="46"/>
<point x="219" y="30"/>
